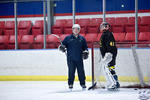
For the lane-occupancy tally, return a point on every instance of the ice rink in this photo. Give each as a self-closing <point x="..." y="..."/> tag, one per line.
<point x="49" y="90"/>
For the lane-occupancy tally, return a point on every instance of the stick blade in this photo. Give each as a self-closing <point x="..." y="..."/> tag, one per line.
<point x="93" y="86"/>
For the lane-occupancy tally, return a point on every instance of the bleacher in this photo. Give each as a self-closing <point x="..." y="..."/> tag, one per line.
<point x="30" y="36"/>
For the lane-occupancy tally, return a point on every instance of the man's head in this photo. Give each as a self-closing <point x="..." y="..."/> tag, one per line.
<point x="104" y="26"/>
<point x="76" y="29"/>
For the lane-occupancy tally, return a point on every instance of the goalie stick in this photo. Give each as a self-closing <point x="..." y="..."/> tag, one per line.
<point x="94" y="84"/>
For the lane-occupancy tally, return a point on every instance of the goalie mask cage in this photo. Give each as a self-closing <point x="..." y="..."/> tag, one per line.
<point x="132" y="65"/>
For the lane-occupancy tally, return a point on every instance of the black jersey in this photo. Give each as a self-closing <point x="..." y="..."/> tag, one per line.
<point x="107" y="44"/>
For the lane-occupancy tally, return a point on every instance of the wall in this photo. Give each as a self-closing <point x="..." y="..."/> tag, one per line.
<point x="51" y="64"/>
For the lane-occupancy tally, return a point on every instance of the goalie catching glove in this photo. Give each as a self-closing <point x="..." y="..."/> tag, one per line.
<point x="62" y="48"/>
<point x="85" y="54"/>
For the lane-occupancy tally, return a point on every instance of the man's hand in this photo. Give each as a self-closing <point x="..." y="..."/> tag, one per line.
<point x="85" y="54"/>
<point x="62" y="48"/>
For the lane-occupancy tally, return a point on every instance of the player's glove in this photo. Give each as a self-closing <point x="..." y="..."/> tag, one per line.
<point x="107" y="58"/>
<point x="62" y="48"/>
<point x="85" y="54"/>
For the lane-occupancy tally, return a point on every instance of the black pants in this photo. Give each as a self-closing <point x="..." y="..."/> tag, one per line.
<point x="72" y="66"/>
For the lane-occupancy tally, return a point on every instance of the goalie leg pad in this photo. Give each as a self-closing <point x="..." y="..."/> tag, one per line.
<point x="111" y="82"/>
<point x="112" y="70"/>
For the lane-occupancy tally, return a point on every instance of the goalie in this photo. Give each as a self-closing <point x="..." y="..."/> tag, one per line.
<point x="109" y="52"/>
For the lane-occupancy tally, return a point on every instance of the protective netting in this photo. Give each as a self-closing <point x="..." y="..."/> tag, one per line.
<point x="132" y="65"/>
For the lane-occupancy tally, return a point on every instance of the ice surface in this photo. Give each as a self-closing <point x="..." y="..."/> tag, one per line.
<point x="49" y="90"/>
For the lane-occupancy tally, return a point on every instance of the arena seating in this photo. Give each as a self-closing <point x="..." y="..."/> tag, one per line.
<point x="117" y="28"/>
<point x="38" y="42"/>
<point x="57" y="28"/>
<point x="30" y="36"/>
<point x="2" y="23"/>
<point x="9" y="28"/>
<point x="24" y="27"/>
<point x="110" y="20"/>
<point x="94" y="24"/>
<point x="3" y="41"/>
<point x="130" y="37"/>
<point x="11" y="41"/>
<point x="144" y="36"/>
<point x="119" y="37"/>
<point x="52" y="41"/>
<point x="131" y="20"/>
<point x="26" y="42"/>
<point x="68" y="26"/>
<point x="37" y="28"/>
<point x="91" y="37"/>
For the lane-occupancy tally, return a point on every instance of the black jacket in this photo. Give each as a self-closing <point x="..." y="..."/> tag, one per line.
<point x="108" y="44"/>
<point x="75" y="47"/>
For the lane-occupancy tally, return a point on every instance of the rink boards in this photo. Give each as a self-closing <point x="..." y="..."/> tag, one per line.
<point x="51" y="65"/>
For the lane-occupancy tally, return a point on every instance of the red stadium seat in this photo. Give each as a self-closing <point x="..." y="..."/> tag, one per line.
<point x="130" y="28"/>
<point x="67" y="29"/>
<point x="93" y="26"/>
<point x="57" y="28"/>
<point x="83" y="29"/>
<point x="26" y="42"/>
<point x="52" y="41"/>
<point x="110" y="20"/>
<point x="119" y="37"/>
<point x="144" y="28"/>
<point x="131" y="20"/>
<point x="2" y="23"/>
<point x="3" y="41"/>
<point x="99" y="20"/>
<point x="37" y="28"/>
<point x="117" y="28"/>
<point x="144" y="36"/>
<point x="11" y="41"/>
<point x="90" y="38"/>
<point x="84" y="22"/>
<point x="38" y="42"/>
<point x="145" y="20"/>
<point x="68" y="26"/>
<point x="9" y="28"/>
<point x="130" y="37"/>
<point x="121" y="20"/>
<point x="24" y="27"/>
<point x="69" y="22"/>
<point x="60" y="22"/>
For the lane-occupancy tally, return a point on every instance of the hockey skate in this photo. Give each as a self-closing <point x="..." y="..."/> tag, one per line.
<point x="83" y="87"/>
<point x="70" y="87"/>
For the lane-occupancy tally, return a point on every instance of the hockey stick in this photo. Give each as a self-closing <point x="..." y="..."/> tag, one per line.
<point x="59" y="40"/>
<point x="93" y="86"/>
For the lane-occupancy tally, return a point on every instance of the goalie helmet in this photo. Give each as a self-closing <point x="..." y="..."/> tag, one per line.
<point x="76" y="26"/>
<point x="104" y="26"/>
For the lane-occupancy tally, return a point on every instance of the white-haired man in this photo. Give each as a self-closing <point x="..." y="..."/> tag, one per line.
<point x="77" y="50"/>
